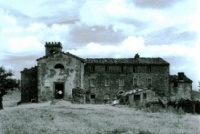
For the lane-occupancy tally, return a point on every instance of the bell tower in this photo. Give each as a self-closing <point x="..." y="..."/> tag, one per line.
<point x="52" y="47"/>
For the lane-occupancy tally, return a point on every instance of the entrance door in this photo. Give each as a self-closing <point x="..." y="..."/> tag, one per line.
<point x="59" y="90"/>
<point x="136" y="97"/>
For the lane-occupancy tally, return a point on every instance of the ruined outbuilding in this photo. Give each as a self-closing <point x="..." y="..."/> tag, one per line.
<point x="180" y="86"/>
<point x="102" y="79"/>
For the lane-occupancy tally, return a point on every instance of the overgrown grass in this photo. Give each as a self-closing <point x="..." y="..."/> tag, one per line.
<point x="11" y="98"/>
<point x="65" y="118"/>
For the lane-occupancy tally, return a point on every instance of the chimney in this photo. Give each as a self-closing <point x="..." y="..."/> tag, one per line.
<point x="180" y="75"/>
<point x="137" y="56"/>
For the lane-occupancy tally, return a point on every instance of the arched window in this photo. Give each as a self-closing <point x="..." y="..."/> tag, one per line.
<point x="59" y="66"/>
<point x="107" y="82"/>
<point x="120" y="93"/>
<point x="135" y="82"/>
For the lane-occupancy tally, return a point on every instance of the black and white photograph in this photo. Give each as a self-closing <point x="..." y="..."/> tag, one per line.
<point x="100" y="67"/>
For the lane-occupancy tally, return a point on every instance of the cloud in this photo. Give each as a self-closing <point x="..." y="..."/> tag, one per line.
<point x="171" y="35"/>
<point x="125" y="48"/>
<point x="29" y="39"/>
<point x="18" y="62"/>
<point x="126" y="17"/>
<point x="21" y="45"/>
<point x="131" y="45"/>
<point x="49" y="12"/>
<point x="106" y="14"/>
<point x="155" y="3"/>
<point x="194" y="21"/>
<point x="82" y="34"/>
<point x="61" y="8"/>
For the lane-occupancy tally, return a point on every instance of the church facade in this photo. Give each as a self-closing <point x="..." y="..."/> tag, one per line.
<point x="57" y="73"/>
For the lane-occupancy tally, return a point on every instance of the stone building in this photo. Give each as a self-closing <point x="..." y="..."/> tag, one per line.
<point x="57" y="73"/>
<point x="140" y="96"/>
<point x="180" y="86"/>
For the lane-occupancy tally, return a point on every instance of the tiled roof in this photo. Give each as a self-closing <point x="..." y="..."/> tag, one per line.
<point x="174" y="78"/>
<point x="29" y="69"/>
<point x="158" y="61"/>
<point x="155" y="61"/>
<point x="137" y="91"/>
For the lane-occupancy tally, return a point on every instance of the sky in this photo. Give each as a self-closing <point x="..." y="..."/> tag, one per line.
<point x="169" y="29"/>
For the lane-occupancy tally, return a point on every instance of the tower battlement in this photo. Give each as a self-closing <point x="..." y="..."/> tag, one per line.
<point x="52" y="47"/>
<point x="53" y="44"/>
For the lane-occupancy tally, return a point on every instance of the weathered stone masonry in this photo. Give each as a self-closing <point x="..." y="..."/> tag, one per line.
<point x="57" y="73"/>
<point x="122" y="70"/>
<point x="29" y="90"/>
<point x="58" y="69"/>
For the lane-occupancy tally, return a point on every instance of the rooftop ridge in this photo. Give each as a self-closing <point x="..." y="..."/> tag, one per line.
<point x="142" y="60"/>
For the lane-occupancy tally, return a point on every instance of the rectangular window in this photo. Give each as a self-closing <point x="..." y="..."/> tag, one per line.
<point x="135" y="69"/>
<point x="149" y="82"/>
<point x="149" y="69"/>
<point x="144" y="96"/>
<point x="92" y="82"/>
<point x="107" y="82"/>
<point x="92" y="68"/>
<point x="175" y="84"/>
<point x="107" y="68"/>
<point x="135" y="82"/>
<point x="121" y="82"/>
<point x="92" y="96"/>
<point x="136" y="97"/>
<point x="122" y="68"/>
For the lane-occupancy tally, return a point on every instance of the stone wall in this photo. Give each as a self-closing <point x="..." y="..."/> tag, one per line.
<point x="180" y="86"/>
<point x="29" y="84"/>
<point x="159" y="76"/>
<point x="182" y="91"/>
<point x="144" y="97"/>
<point x="71" y="75"/>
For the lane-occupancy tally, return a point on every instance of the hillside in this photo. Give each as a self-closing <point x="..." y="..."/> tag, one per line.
<point x="62" y="117"/>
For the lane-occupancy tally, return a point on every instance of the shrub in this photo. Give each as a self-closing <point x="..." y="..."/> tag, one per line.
<point x="197" y="107"/>
<point x="187" y="106"/>
<point x="78" y="95"/>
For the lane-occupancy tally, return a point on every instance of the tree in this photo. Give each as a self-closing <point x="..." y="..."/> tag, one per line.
<point x="6" y="83"/>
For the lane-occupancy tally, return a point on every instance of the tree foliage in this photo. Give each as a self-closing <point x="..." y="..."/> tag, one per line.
<point x="6" y="83"/>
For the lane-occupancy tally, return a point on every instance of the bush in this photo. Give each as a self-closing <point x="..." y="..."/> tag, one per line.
<point x="78" y="95"/>
<point x="197" y="107"/>
<point x="187" y="106"/>
<point x="176" y="106"/>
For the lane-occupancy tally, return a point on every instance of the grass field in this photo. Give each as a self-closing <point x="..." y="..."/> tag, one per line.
<point x="62" y="117"/>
